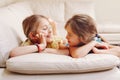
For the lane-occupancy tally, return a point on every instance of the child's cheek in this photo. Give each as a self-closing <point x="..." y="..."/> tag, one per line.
<point x="44" y="32"/>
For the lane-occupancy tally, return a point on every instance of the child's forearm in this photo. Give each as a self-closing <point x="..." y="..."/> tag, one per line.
<point x="26" y="50"/>
<point x="23" y="50"/>
<point x="83" y="50"/>
<point x="57" y="51"/>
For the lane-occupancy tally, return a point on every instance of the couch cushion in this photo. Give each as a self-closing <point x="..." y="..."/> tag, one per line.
<point x="13" y="15"/>
<point x="45" y="63"/>
<point x="8" y="40"/>
<point x="111" y="32"/>
<point x="79" y="7"/>
<point x="108" y="28"/>
<point x="47" y="8"/>
<point x="113" y="74"/>
<point x="11" y="31"/>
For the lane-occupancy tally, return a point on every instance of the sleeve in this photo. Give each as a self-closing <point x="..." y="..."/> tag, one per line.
<point x="59" y="43"/>
<point x="26" y="43"/>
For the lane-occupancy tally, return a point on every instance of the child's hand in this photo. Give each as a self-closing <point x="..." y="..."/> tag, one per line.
<point x="62" y="44"/>
<point x="100" y="51"/>
<point x="42" y="38"/>
<point x="102" y="45"/>
<point x="34" y="38"/>
<point x="95" y="50"/>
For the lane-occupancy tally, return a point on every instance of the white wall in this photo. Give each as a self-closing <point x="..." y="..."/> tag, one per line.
<point x="107" y="11"/>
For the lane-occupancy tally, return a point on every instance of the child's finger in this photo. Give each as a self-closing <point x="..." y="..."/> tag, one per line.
<point x="101" y="46"/>
<point x="40" y="35"/>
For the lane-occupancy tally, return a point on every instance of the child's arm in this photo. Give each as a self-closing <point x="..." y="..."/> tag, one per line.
<point x="82" y="51"/>
<point x="63" y="44"/>
<point x="77" y="52"/>
<point x="57" y="51"/>
<point x="22" y="50"/>
<point x="27" y="49"/>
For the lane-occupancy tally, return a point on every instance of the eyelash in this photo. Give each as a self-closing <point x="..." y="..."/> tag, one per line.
<point x="47" y="27"/>
<point x="44" y="28"/>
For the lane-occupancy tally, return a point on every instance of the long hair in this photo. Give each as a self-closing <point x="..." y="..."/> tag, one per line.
<point x="83" y="26"/>
<point x="29" y="23"/>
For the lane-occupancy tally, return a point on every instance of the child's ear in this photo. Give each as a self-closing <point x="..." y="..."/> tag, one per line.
<point x="82" y="40"/>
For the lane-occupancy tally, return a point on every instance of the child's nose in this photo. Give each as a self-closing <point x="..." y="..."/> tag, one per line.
<point x="49" y="31"/>
<point x="66" y="37"/>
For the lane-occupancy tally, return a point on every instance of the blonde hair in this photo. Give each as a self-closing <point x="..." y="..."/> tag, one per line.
<point x="29" y="24"/>
<point x="83" y="26"/>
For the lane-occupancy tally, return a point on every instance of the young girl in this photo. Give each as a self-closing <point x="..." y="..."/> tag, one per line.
<point x="83" y="38"/>
<point x="41" y="37"/>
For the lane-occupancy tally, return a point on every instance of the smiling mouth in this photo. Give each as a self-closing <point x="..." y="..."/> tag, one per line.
<point x="68" y="41"/>
<point x="48" y="36"/>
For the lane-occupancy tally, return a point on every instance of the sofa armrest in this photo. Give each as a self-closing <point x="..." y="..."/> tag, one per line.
<point x="111" y="32"/>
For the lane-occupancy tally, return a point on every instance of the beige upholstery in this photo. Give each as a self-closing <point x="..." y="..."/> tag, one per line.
<point x="12" y="13"/>
<point x="46" y="63"/>
<point x="113" y="74"/>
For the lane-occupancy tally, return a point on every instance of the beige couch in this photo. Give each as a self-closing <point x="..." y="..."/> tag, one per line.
<point x="12" y="14"/>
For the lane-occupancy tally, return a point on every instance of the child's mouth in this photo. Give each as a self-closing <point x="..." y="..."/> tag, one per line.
<point x="68" y="41"/>
<point x="48" y="36"/>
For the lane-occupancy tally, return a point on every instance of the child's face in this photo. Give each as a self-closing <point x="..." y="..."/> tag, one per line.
<point x="72" y="38"/>
<point x="45" y="28"/>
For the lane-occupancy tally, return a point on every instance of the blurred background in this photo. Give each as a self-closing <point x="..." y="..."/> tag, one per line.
<point x="107" y="11"/>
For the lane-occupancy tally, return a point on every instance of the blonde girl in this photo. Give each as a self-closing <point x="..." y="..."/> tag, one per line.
<point x="41" y="37"/>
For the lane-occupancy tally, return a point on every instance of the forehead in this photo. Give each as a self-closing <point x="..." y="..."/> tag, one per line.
<point x="68" y="29"/>
<point x="43" y="21"/>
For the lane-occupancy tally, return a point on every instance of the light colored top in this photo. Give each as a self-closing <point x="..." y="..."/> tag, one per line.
<point x="54" y="44"/>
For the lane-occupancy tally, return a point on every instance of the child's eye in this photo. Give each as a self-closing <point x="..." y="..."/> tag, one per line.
<point x="45" y="28"/>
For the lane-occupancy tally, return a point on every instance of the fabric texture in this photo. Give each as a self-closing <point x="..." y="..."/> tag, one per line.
<point x="113" y="74"/>
<point x="79" y="7"/>
<point x="54" y="11"/>
<point x="13" y="15"/>
<point x="44" y="63"/>
<point x="11" y="33"/>
<point x="8" y="40"/>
